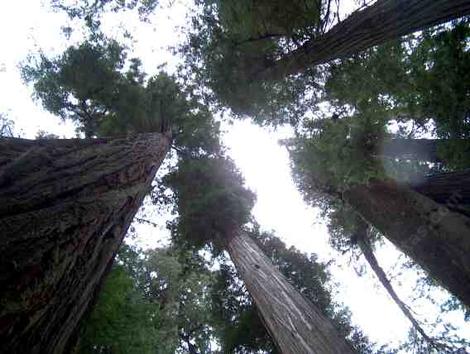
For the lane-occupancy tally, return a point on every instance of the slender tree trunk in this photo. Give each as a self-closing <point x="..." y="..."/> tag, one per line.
<point x="295" y="324"/>
<point x="376" y="24"/>
<point x="435" y="237"/>
<point x="421" y="149"/>
<point x="364" y="244"/>
<point x="65" y="208"/>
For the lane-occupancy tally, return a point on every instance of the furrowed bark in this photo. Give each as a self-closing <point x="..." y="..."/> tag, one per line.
<point x="435" y="237"/>
<point x="376" y="24"/>
<point x="294" y="323"/>
<point x="65" y="208"/>
<point x="366" y="249"/>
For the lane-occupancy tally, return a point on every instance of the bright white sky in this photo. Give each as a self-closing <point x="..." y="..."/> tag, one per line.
<point x="26" y="26"/>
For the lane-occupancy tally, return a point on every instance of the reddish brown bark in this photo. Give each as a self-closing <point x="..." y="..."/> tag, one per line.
<point x="295" y="324"/>
<point x="65" y="208"/>
<point x="435" y="237"/>
<point x="376" y="24"/>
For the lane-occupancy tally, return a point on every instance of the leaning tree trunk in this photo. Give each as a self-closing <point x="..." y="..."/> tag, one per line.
<point x="376" y="24"/>
<point x="435" y="237"/>
<point x="294" y="323"/>
<point x="65" y="208"/>
<point x="366" y="249"/>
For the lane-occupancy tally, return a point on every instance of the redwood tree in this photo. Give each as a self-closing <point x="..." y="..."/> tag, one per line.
<point x="295" y="324"/>
<point x="213" y="205"/>
<point x="264" y="65"/>
<point x="427" y="219"/>
<point x="430" y="233"/>
<point x="66" y="206"/>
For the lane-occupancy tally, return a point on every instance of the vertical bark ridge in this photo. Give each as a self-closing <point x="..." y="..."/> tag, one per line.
<point x="295" y="324"/>
<point x="65" y="208"/>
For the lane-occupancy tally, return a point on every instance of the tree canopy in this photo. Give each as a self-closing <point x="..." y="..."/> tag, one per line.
<point x="95" y="85"/>
<point x="349" y="116"/>
<point x="169" y="300"/>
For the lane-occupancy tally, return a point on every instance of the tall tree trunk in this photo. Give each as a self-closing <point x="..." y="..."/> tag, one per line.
<point x="435" y="237"/>
<point x="364" y="244"/>
<point x="65" y="208"/>
<point x="376" y="24"/>
<point x="421" y="149"/>
<point x="294" y="323"/>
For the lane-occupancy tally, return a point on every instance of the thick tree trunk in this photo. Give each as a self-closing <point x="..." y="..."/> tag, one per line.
<point x="295" y="324"/>
<point x="364" y="244"/>
<point x="65" y="208"/>
<point x="435" y="237"/>
<point x="376" y="24"/>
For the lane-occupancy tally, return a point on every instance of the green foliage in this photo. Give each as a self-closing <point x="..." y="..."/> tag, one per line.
<point x="394" y="81"/>
<point x="246" y="19"/>
<point x="340" y="155"/>
<point x="91" y="10"/>
<point x="156" y="301"/>
<point x="312" y="279"/>
<point x="453" y="304"/>
<point x="374" y="79"/>
<point x="305" y="272"/>
<point x="232" y="41"/>
<point x="163" y="296"/>
<point x="420" y="79"/>
<point x="342" y="226"/>
<point x="43" y="135"/>
<point x="122" y="321"/>
<point x="167" y="301"/>
<point x="88" y="84"/>
<point x="398" y="81"/>
<point x="419" y="83"/>
<point x="184" y="283"/>
<point x="193" y="127"/>
<point x="240" y="327"/>
<point x="82" y="84"/>
<point x="441" y="75"/>
<point x="242" y="330"/>
<point x="6" y="126"/>
<point x="455" y="153"/>
<point x="210" y="199"/>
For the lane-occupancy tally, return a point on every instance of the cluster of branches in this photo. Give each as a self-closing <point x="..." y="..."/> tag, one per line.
<point x="262" y="59"/>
